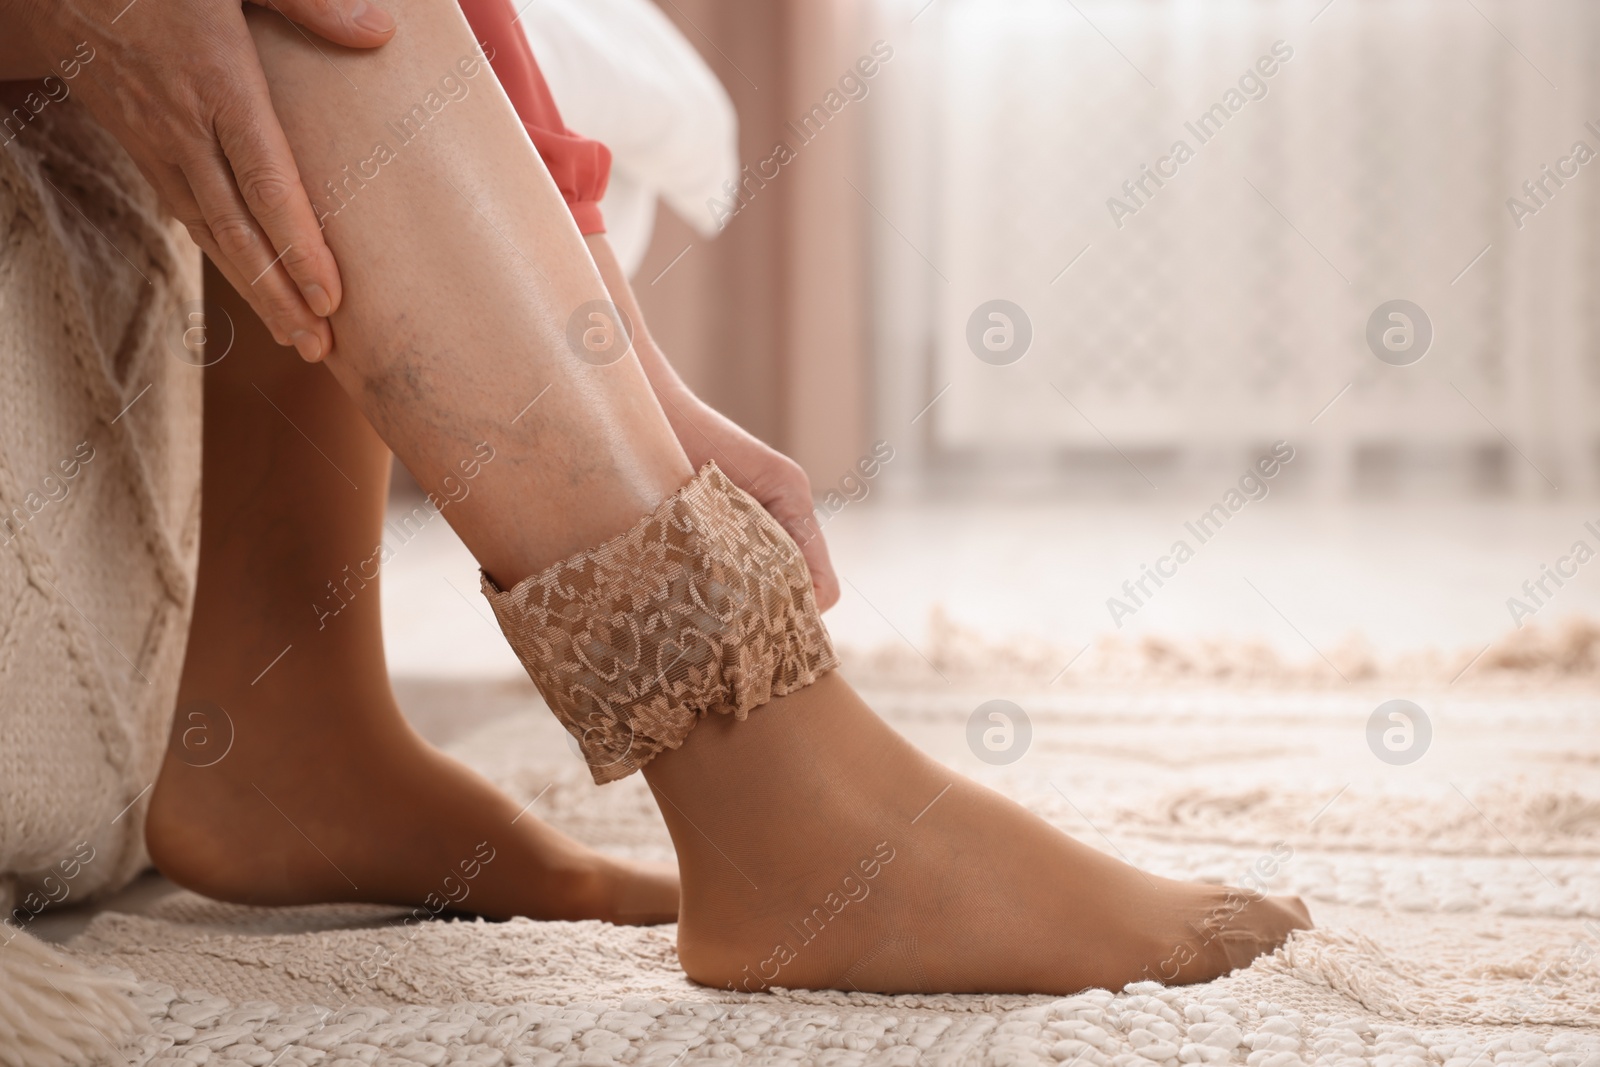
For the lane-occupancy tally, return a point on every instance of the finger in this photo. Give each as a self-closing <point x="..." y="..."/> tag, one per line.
<point x="265" y="173"/>
<point x="178" y="197"/>
<point x="824" y="582"/>
<point x="785" y="491"/>
<point x="245" y="256"/>
<point x="355" y="23"/>
<point x="794" y="517"/>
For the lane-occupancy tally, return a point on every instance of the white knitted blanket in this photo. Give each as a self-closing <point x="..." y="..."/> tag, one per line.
<point x="99" y="504"/>
<point x="1458" y="902"/>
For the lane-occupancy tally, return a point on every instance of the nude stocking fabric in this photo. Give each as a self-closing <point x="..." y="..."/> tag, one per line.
<point x="704" y="606"/>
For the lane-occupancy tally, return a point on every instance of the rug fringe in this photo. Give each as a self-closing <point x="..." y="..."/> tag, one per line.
<point x="55" y="1012"/>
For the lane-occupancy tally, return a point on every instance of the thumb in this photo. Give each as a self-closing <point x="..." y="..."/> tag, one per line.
<point x="353" y="23"/>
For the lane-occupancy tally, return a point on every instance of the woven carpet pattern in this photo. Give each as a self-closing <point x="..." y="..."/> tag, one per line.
<point x="1458" y="903"/>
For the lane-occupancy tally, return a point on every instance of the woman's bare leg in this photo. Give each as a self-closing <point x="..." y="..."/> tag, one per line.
<point x="313" y="787"/>
<point x="473" y="272"/>
<point x="448" y="330"/>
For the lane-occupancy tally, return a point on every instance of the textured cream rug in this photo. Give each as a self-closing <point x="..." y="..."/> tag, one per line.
<point x="1457" y="896"/>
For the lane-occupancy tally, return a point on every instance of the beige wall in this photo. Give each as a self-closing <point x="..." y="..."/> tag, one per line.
<point x="767" y="320"/>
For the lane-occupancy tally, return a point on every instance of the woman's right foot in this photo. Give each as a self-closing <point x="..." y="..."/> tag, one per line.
<point x="345" y="803"/>
<point x="819" y="850"/>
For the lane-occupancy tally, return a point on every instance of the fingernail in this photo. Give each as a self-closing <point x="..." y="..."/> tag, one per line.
<point x="371" y="18"/>
<point x="308" y="344"/>
<point x="317" y="297"/>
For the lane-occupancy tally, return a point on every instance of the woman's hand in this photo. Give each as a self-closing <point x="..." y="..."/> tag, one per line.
<point x="178" y="84"/>
<point x="775" y="480"/>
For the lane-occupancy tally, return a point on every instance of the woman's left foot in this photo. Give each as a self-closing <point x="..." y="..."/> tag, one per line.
<point x="820" y="850"/>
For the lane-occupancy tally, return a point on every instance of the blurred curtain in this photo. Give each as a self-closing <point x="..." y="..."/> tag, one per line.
<point x="767" y="320"/>
<point x="1230" y="306"/>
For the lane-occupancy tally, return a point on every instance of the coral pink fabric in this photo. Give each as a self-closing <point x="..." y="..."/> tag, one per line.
<point x="579" y="166"/>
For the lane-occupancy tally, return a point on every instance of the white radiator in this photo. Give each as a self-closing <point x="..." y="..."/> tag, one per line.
<point x="1192" y="317"/>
